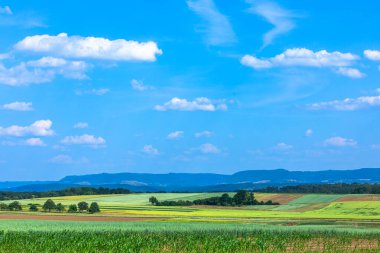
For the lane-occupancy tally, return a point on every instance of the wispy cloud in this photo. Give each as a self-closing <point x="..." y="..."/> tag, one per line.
<point x="175" y="135"/>
<point x="348" y="104"/>
<point x="350" y="72"/>
<point x="18" y="106"/>
<point x="97" y="92"/>
<point x="84" y="139"/>
<point x="301" y="57"/>
<point x="209" y="148"/>
<point x="5" y="10"/>
<point x="283" y="20"/>
<point x="150" y="150"/>
<point x="140" y="86"/>
<point x="338" y="141"/>
<point x="198" y="104"/>
<point x="218" y="29"/>
<point x="206" y="134"/>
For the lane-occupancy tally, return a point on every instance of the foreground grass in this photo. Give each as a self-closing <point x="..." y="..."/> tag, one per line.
<point x="186" y="241"/>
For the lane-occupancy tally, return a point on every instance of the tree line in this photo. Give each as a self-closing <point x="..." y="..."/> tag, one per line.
<point x="343" y="188"/>
<point x="241" y="198"/>
<point x="72" y="191"/>
<point x="50" y="206"/>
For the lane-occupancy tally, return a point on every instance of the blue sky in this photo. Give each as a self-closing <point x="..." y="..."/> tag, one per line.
<point x="187" y="86"/>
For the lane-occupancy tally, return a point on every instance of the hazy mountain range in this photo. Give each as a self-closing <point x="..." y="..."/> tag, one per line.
<point x="251" y="179"/>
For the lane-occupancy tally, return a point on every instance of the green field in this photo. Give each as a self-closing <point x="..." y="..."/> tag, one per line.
<point x="314" y="221"/>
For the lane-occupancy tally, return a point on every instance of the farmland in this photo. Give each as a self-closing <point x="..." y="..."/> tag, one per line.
<point x="314" y="221"/>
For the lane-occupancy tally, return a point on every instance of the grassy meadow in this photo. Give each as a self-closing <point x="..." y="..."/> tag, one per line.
<point x="301" y="223"/>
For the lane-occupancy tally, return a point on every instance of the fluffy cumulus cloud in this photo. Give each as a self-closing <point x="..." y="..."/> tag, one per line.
<point x="38" y="128"/>
<point x="205" y="133"/>
<point x="198" y="104"/>
<point x="84" y="139"/>
<point x="18" y="106"/>
<point x="301" y="57"/>
<point x="150" y="150"/>
<point x="209" y="148"/>
<point x="175" y="135"/>
<point x="348" y="104"/>
<point x="63" y="45"/>
<point x="350" y="72"/>
<point x="36" y="142"/>
<point x="140" y="86"/>
<point x="81" y="125"/>
<point x="338" y="141"/>
<point x="5" y="10"/>
<point x="218" y="29"/>
<point x="43" y="70"/>
<point x="281" y="19"/>
<point x="373" y="55"/>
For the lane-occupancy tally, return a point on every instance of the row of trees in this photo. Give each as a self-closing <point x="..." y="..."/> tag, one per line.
<point x="241" y="198"/>
<point x="326" y="188"/>
<point x="50" y="206"/>
<point x="82" y="206"/>
<point x="73" y="191"/>
<point x="13" y="206"/>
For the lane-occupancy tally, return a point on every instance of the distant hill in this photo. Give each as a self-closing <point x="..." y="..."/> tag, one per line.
<point x="251" y="179"/>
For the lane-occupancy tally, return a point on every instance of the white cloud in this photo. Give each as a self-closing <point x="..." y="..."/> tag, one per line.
<point x="206" y="134"/>
<point x="199" y="104"/>
<point x="150" y="150"/>
<point x="5" y="10"/>
<point x="35" y="142"/>
<point x="68" y="69"/>
<point x="43" y="70"/>
<point x="209" y="148"/>
<point x="81" y="125"/>
<point x="140" y="86"/>
<point x="18" y="106"/>
<point x="301" y="57"/>
<point x="280" y="18"/>
<point x="175" y="135"/>
<point x="63" y="45"/>
<point x="84" y="139"/>
<point x="350" y="72"/>
<point x="97" y="92"/>
<point x="283" y="146"/>
<point x="65" y="159"/>
<point x="340" y="142"/>
<point x="218" y="29"/>
<point x="309" y="132"/>
<point x="348" y="104"/>
<point x="38" y="128"/>
<point x="375" y="146"/>
<point x="373" y="55"/>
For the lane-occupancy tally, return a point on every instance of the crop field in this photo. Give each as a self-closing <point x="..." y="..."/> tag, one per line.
<point x="301" y="223"/>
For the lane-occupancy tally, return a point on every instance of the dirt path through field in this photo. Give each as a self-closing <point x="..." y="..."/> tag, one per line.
<point x="70" y="218"/>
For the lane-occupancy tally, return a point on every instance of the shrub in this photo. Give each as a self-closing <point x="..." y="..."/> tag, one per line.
<point x="33" y="208"/>
<point x="49" y="205"/>
<point x="15" y="206"/>
<point x="82" y="206"/>
<point x="72" y="208"/>
<point x="94" y="208"/>
<point x="60" y="207"/>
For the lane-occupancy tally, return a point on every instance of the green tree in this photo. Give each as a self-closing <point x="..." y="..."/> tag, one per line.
<point x="82" y="206"/>
<point x="15" y="206"/>
<point x="242" y="197"/>
<point x="72" y="208"/>
<point x="49" y="205"/>
<point x="153" y="200"/>
<point x="33" y="208"/>
<point x="94" y="208"/>
<point x="60" y="207"/>
<point x="3" y="207"/>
